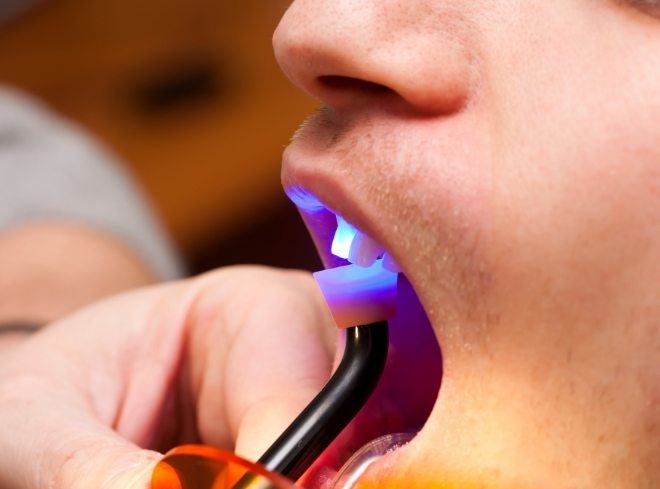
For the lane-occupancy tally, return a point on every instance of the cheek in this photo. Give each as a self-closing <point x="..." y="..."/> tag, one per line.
<point x="434" y="184"/>
<point x="582" y="222"/>
<point x="564" y="198"/>
<point x="576" y="165"/>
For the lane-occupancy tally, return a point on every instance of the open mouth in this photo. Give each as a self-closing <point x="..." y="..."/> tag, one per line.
<point x="408" y="389"/>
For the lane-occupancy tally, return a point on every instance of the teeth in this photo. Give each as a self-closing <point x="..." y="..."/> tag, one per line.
<point x="390" y="264"/>
<point x="364" y="251"/>
<point x="344" y="237"/>
<point x="358" y="248"/>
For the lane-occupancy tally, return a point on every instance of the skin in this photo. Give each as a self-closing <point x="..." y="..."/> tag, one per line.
<point x="50" y="268"/>
<point x="507" y="154"/>
<point x="101" y="393"/>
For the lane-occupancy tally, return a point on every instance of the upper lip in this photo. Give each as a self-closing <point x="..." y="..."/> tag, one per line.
<point x="336" y="193"/>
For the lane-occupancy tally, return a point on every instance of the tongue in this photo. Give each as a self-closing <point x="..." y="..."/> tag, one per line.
<point x="405" y="396"/>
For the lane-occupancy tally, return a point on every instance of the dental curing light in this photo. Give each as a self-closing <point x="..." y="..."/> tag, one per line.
<point x="355" y="295"/>
<point x="334" y="407"/>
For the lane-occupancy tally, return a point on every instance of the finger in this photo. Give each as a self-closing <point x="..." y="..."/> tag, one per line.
<point x="258" y="367"/>
<point x="78" y="399"/>
<point x="50" y="438"/>
<point x="258" y="346"/>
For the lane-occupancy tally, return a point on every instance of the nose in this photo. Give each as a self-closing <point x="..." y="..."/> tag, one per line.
<point x="348" y="53"/>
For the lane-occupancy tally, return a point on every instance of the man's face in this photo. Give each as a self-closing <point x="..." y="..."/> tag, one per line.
<point x="507" y="154"/>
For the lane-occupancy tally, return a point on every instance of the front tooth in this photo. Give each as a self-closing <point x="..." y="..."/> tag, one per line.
<point x="364" y="250"/>
<point x="390" y="264"/>
<point x="343" y="239"/>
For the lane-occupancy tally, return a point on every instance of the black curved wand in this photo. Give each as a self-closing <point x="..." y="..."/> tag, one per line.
<point x="333" y="408"/>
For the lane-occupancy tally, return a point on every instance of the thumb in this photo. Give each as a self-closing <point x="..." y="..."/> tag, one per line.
<point x="278" y="357"/>
<point x="265" y="421"/>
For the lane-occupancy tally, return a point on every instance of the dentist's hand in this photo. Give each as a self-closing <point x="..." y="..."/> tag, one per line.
<point x="228" y="359"/>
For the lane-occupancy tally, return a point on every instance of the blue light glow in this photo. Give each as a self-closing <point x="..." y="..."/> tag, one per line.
<point x="344" y="236"/>
<point x="359" y="295"/>
<point x="304" y="200"/>
<point x="374" y="280"/>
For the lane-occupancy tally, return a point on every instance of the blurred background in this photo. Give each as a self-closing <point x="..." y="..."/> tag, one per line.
<point x="187" y="93"/>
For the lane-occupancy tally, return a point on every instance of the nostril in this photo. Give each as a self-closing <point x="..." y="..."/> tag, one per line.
<point x="349" y="84"/>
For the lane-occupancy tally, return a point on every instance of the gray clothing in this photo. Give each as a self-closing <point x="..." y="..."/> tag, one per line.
<point x="50" y="169"/>
<point x="9" y="9"/>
